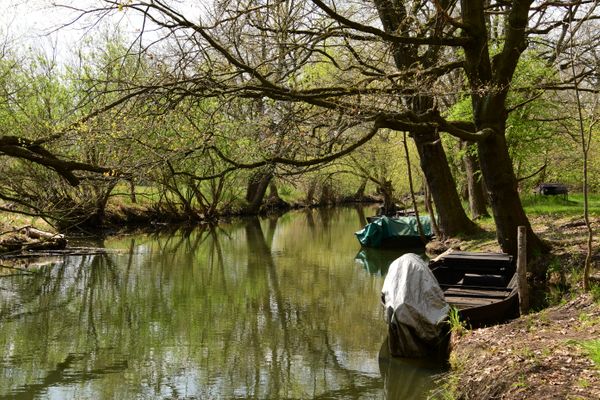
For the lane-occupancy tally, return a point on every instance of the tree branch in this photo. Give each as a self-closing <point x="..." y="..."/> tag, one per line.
<point x="431" y="41"/>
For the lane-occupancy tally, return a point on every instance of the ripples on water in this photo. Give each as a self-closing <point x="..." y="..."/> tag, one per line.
<point x="258" y="308"/>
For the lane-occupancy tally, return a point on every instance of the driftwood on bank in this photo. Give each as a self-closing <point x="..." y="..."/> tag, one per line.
<point x="30" y="238"/>
<point x="71" y="251"/>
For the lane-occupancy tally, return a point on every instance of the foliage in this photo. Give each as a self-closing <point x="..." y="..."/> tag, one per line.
<point x="536" y="129"/>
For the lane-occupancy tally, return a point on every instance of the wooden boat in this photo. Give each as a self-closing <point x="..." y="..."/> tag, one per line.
<point x="398" y="232"/>
<point x="481" y="285"/>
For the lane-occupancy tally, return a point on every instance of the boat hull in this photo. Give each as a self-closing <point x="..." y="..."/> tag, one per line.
<point x="394" y="233"/>
<point x="482" y="286"/>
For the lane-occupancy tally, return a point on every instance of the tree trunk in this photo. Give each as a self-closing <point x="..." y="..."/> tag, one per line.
<point x="132" y="192"/>
<point x="274" y="201"/>
<point x="506" y="204"/>
<point x="431" y="211"/>
<point x="387" y="191"/>
<point x="327" y="196"/>
<point x="412" y="191"/>
<point x="489" y="81"/>
<point x="257" y="187"/>
<point x="310" y="193"/>
<point x="273" y="193"/>
<point x="477" y="200"/>
<point x="452" y="218"/>
<point x="359" y="195"/>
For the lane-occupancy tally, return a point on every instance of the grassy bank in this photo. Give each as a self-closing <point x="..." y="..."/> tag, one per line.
<point x="536" y="205"/>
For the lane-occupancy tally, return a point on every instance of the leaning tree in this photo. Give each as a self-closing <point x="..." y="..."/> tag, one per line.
<point x="388" y="57"/>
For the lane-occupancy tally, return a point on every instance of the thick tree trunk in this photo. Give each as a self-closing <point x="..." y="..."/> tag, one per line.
<point x="257" y="187"/>
<point x="359" y="195"/>
<point x="506" y="204"/>
<point x="387" y="191"/>
<point x="477" y="199"/>
<point x="489" y="80"/>
<point x="273" y="192"/>
<point x="452" y="218"/>
<point x="274" y="201"/>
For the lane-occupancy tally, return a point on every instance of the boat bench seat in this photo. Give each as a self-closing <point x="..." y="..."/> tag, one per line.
<point x="486" y="264"/>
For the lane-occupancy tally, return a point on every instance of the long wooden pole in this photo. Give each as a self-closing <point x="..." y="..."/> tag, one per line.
<point x="412" y="191"/>
<point x="522" y="270"/>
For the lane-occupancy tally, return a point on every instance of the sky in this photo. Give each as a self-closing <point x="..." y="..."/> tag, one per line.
<point x="33" y="23"/>
<point x="40" y="24"/>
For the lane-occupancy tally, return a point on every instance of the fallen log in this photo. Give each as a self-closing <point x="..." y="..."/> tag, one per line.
<point x="30" y="238"/>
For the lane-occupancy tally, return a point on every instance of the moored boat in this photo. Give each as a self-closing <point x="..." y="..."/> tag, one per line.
<point x="482" y="286"/>
<point x="395" y="232"/>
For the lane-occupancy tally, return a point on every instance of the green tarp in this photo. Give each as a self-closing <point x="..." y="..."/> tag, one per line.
<point x="383" y="228"/>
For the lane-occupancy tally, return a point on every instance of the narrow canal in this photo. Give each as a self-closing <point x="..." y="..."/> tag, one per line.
<point x="275" y="308"/>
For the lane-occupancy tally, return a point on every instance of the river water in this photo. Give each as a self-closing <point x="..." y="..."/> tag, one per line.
<point x="275" y="308"/>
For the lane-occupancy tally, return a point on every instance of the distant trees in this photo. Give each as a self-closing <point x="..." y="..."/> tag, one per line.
<point x="384" y="78"/>
<point x="36" y="142"/>
<point x="234" y="94"/>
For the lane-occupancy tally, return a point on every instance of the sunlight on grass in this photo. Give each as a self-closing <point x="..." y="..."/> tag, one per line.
<point x="559" y="206"/>
<point x="592" y="348"/>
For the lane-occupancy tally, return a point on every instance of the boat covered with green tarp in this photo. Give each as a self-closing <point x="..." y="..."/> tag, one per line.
<point x="395" y="232"/>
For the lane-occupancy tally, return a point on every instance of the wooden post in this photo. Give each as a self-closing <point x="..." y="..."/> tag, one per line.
<point x="522" y="270"/>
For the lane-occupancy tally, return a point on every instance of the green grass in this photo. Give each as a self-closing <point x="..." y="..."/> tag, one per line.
<point x="10" y="220"/>
<point x="559" y="206"/>
<point x="592" y="348"/>
<point x="595" y="291"/>
<point x="457" y="326"/>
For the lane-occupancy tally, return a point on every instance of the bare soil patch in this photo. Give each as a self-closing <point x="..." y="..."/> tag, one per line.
<point x="538" y="356"/>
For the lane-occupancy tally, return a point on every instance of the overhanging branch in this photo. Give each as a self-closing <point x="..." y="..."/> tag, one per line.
<point x="390" y="37"/>
<point x="301" y="163"/>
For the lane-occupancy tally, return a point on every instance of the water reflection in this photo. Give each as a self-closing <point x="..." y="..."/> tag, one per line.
<point x="378" y="261"/>
<point x="272" y="308"/>
<point x="406" y="378"/>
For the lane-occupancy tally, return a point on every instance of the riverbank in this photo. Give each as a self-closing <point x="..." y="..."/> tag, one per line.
<point x="120" y="218"/>
<point x="551" y="354"/>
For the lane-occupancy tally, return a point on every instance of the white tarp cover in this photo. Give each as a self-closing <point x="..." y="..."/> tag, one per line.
<point x="415" y="309"/>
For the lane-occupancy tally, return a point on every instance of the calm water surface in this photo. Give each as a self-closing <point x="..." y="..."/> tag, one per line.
<point x="281" y="308"/>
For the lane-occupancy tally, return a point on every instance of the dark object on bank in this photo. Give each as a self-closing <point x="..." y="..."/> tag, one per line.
<point x="392" y="212"/>
<point x="552" y="189"/>
<point x="396" y="232"/>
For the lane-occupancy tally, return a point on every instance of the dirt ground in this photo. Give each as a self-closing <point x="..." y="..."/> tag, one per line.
<point x="541" y="355"/>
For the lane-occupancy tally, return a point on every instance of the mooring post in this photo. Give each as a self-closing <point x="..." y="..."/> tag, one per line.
<point x="522" y="270"/>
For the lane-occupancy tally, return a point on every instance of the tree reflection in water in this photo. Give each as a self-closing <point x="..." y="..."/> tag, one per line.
<point x="272" y="308"/>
